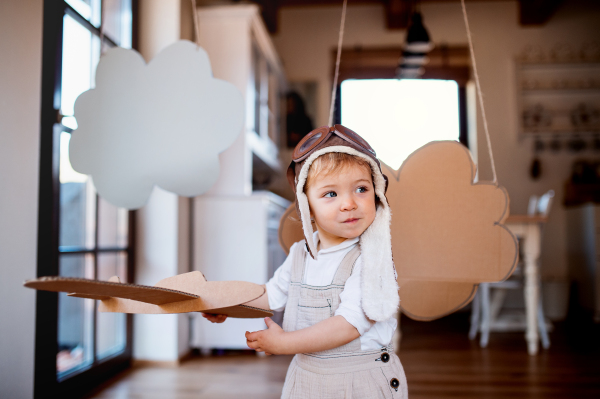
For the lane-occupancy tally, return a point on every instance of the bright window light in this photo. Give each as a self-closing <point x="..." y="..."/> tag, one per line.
<point x="67" y="173"/>
<point x="399" y="116"/>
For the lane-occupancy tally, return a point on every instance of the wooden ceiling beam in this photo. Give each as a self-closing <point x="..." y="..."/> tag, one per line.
<point x="397" y="13"/>
<point x="270" y="13"/>
<point x="537" y="12"/>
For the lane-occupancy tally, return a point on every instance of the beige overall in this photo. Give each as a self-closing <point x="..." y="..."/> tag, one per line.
<point x="345" y="372"/>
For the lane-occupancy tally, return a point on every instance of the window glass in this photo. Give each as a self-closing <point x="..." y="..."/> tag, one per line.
<point x="77" y="203"/>
<point x="116" y="21"/>
<point x="88" y="9"/>
<point x="112" y="225"/>
<point x="79" y="60"/>
<point x="111" y="329"/>
<point x="75" y="316"/>
<point x="90" y="229"/>
<point x="397" y="117"/>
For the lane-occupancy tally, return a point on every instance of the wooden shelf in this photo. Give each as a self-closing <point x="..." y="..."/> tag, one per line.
<point x="555" y="90"/>
<point x="570" y="132"/>
<point x="525" y="219"/>
<point x="561" y="90"/>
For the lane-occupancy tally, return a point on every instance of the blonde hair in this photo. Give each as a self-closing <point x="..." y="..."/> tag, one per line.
<point x="334" y="162"/>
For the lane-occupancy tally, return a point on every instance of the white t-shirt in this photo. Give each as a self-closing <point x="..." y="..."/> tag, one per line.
<point x="320" y="273"/>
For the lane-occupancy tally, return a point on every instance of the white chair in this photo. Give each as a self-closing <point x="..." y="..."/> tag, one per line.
<point x="485" y="311"/>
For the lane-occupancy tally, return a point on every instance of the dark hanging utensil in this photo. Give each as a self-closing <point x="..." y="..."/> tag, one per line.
<point x="535" y="171"/>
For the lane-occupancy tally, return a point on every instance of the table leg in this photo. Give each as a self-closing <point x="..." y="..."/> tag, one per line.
<point x="531" y="253"/>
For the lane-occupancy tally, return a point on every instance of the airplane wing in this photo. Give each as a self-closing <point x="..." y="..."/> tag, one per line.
<point x="231" y="298"/>
<point x="94" y="289"/>
<point x="189" y="292"/>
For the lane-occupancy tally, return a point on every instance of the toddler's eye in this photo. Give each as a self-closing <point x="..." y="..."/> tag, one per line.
<point x="330" y="194"/>
<point x="361" y="189"/>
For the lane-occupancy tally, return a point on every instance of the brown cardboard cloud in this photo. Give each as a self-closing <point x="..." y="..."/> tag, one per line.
<point x="447" y="231"/>
<point x="445" y="226"/>
<point x="430" y="300"/>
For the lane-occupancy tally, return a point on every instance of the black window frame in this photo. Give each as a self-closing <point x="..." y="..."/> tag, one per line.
<point x="84" y="379"/>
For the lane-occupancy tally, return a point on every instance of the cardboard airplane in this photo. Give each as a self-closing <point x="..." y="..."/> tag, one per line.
<point x="188" y="292"/>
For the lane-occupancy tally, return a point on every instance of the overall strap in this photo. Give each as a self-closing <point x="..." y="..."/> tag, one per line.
<point x="345" y="269"/>
<point x="298" y="262"/>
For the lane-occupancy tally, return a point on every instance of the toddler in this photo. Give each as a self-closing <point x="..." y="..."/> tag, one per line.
<point x="338" y="286"/>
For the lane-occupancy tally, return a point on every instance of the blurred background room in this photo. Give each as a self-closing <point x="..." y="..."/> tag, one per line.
<point x="539" y="66"/>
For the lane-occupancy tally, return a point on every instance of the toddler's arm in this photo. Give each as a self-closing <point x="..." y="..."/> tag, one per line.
<point x="328" y="334"/>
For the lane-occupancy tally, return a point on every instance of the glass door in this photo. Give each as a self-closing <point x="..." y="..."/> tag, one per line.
<point x="80" y="234"/>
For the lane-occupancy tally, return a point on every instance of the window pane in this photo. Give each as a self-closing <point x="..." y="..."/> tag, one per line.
<point x="77" y="203"/>
<point x="398" y="116"/>
<point x="75" y="318"/>
<point x="88" y="9"/>
<point x="81" y="52"/>
<point x="112" y="264"/>
<point x="111" y="327"/>
<point x="112" y="225"/>
<point x="116" y="20"/>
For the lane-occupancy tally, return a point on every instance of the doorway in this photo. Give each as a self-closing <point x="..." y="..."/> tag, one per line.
<point x="399" y="116"/>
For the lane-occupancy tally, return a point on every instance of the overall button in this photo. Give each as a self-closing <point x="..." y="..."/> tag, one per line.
<point x="394" y="383"/>
<point x="385" y="357"/>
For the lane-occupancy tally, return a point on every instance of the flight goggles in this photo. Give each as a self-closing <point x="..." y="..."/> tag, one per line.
<point x="313" y="140"/>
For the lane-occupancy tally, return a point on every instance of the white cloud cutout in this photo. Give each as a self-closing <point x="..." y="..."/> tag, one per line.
<point x="162" y="123"/>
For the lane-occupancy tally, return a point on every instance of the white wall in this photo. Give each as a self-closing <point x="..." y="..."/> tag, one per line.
<point x="20" y="86"/>
<point x="307" y="37"/>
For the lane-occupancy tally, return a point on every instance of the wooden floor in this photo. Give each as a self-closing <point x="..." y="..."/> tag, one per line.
<point x="439" y="360"/>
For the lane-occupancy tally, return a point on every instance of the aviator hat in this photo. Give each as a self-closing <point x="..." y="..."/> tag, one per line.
<point x="380" y="298"/>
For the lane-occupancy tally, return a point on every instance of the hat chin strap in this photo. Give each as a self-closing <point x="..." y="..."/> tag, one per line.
<point x="378" y="279"/>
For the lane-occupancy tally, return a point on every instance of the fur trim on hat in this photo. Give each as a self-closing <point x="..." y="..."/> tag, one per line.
<point x="380" y="298"/>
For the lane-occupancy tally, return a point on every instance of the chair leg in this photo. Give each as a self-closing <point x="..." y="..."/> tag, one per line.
<point x="542" y="326"/>
<point x="475" y="316"/>
<point x="485" y="314"/>
<point x="496" y="302"/>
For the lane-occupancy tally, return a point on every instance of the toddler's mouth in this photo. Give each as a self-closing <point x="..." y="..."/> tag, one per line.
<point x="351" y="220"/>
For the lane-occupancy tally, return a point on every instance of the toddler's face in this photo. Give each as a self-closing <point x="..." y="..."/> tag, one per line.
<point x="342" y="203"/>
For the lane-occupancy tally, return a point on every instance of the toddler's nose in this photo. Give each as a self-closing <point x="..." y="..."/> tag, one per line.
<point x="348" y="204"/>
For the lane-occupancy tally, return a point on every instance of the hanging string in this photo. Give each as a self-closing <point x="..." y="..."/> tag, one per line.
<point x="479" y="94"/>
<point x="337" y="63"/>
<point x="196" y="24"/>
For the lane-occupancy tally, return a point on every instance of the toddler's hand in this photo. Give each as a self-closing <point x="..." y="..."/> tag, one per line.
<point x="268" y="340"/>
<point x="214" y="318"/>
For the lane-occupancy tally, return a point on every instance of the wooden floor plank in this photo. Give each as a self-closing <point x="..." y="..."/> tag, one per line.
<point x="439" y="360"/>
